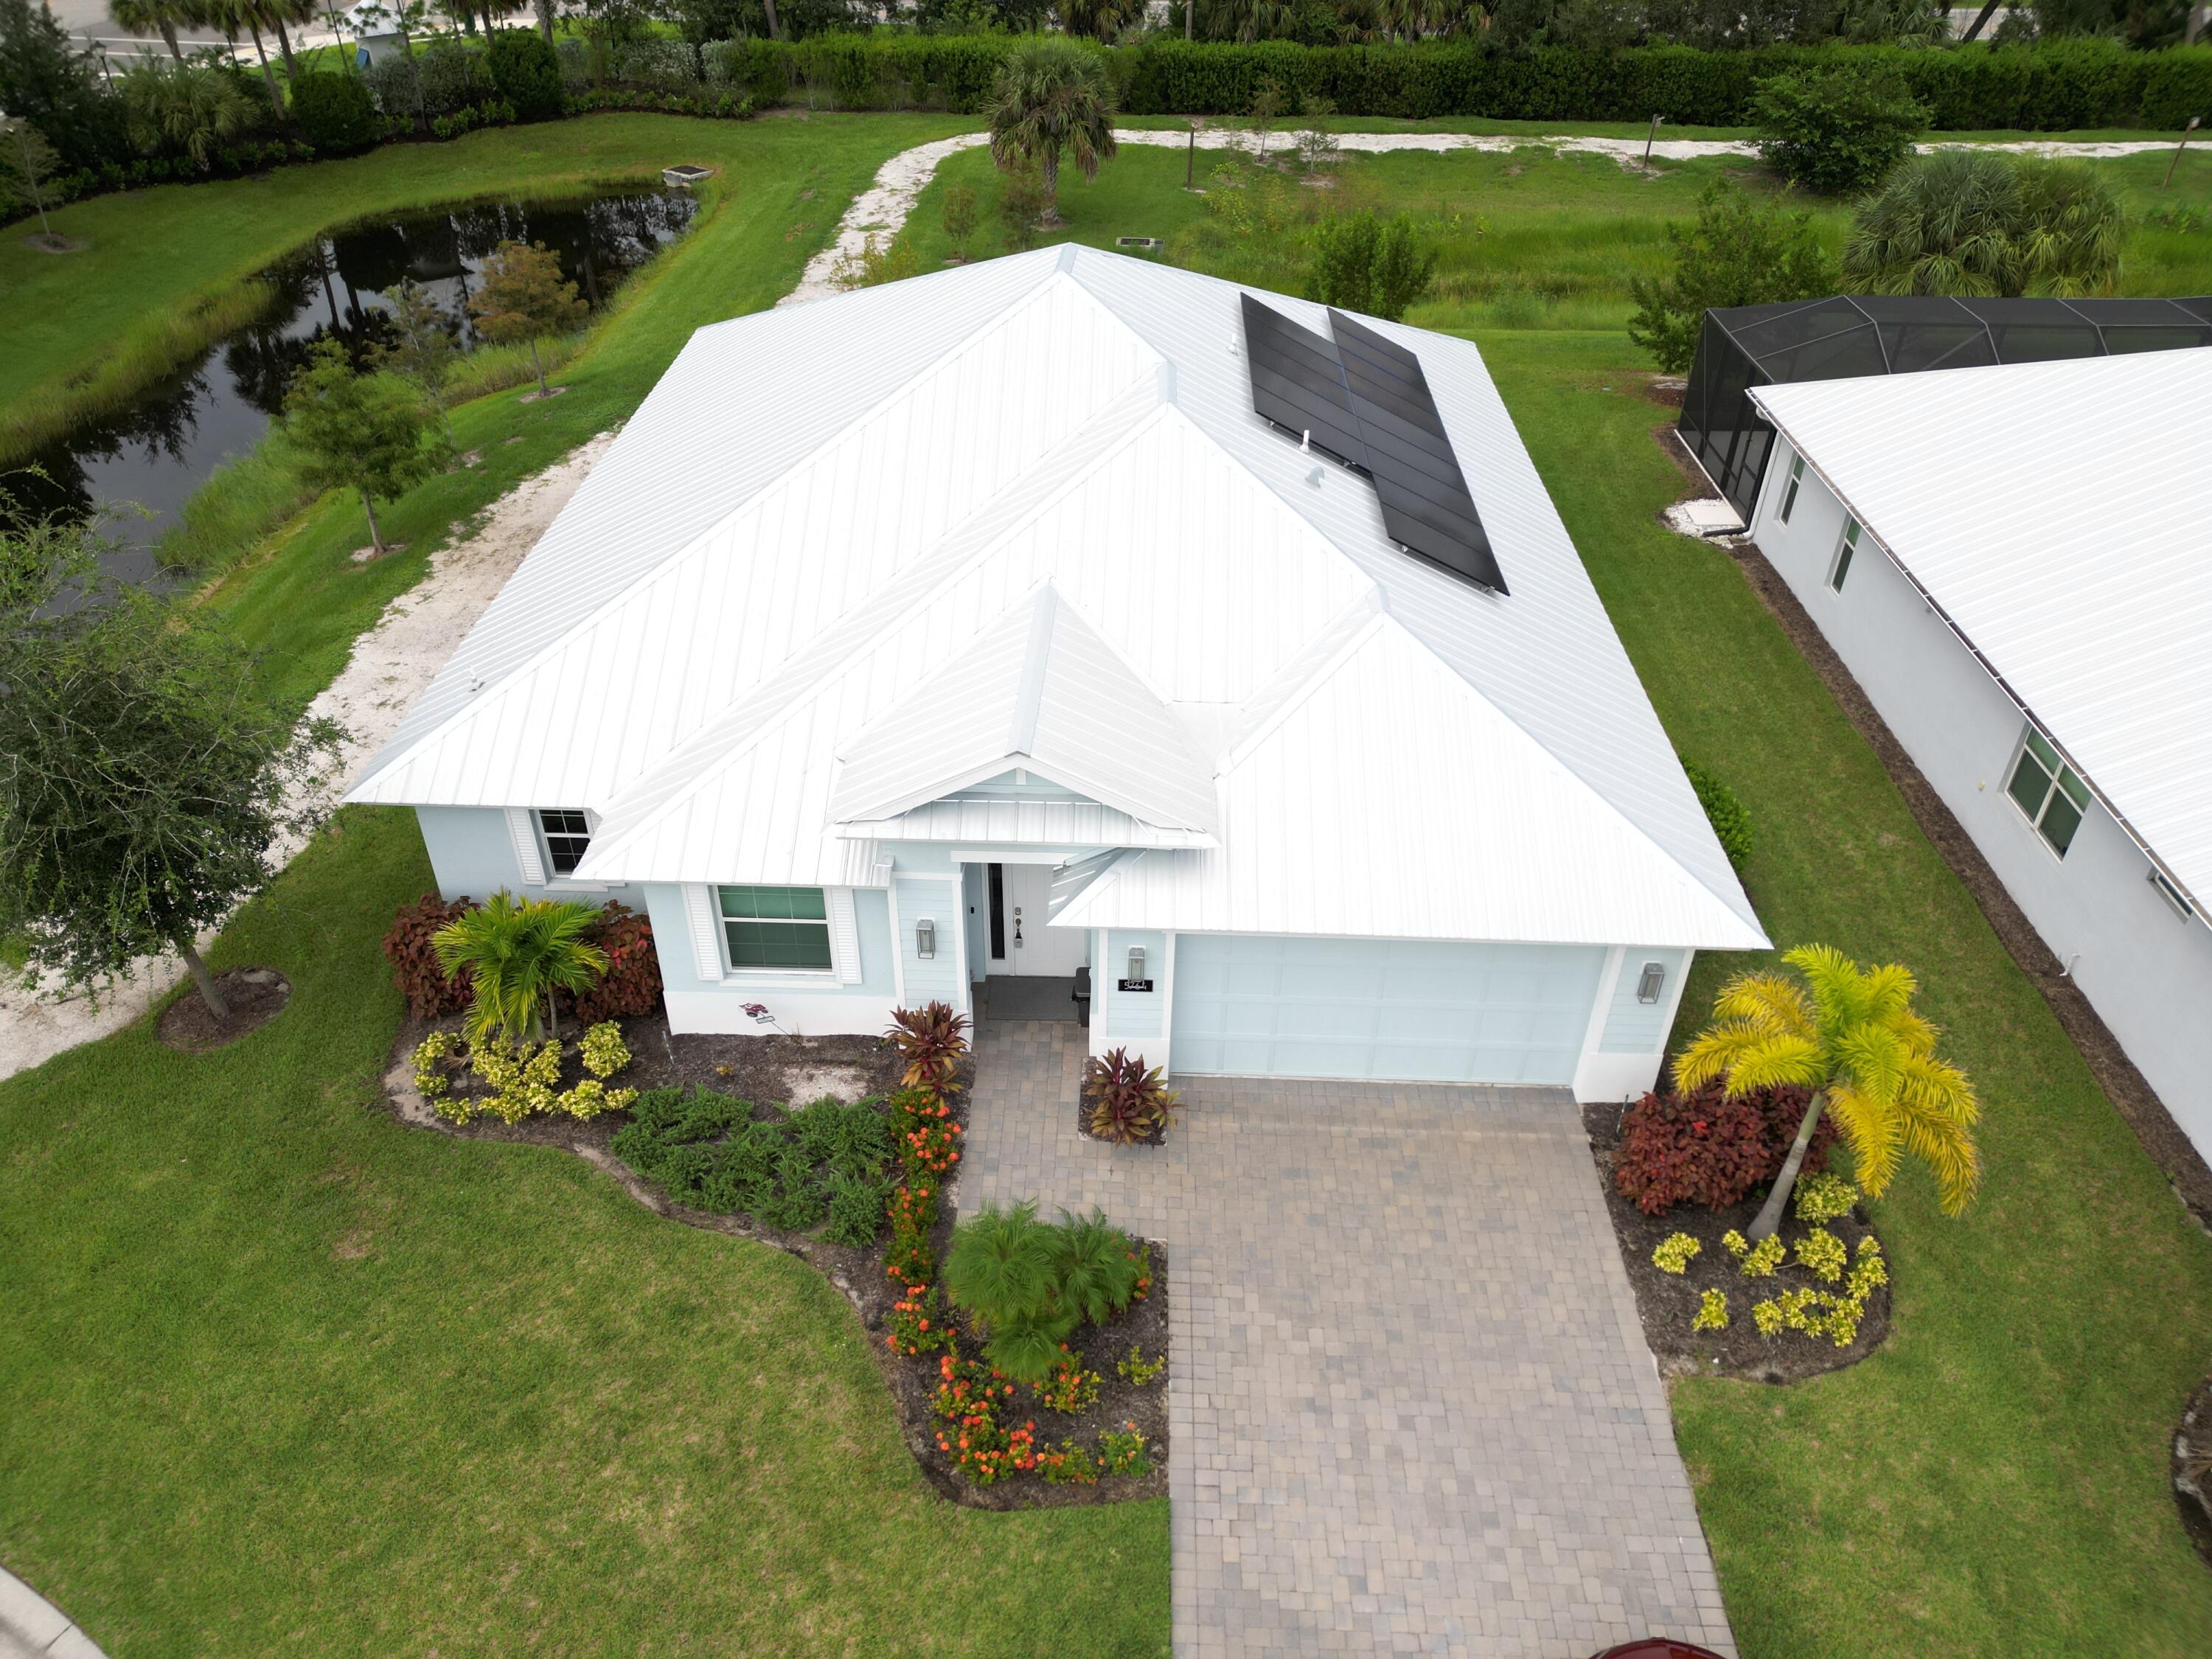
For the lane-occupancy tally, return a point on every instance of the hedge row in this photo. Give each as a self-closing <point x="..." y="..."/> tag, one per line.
<point x="2048" y="87"/>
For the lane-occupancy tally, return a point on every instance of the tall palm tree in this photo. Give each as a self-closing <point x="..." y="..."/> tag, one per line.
<point x="231" y="15"/>
<point x="519" y="951"/>
<point x="144" y="17"/>
<point x="1052" y="95"/>
<point x="1850" y="1035"/>
<point x="279" y="13"/>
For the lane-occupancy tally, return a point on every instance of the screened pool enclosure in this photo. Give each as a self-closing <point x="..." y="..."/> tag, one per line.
<point x="1849" y="336"/>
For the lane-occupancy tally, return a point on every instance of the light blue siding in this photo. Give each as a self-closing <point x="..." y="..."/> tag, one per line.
<point x="671" y="938"/>
<point x="1638" y="1028"/>
<point x="1419" y="1011"/>
<point x="471" y="851"/>
<point x="1033" y="788"/>
<point x="937" y="980"/>
<point x="1133" y="1017"/>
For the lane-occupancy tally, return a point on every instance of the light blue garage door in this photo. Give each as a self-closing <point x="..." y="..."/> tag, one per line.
<point x="1414" y="1010"/>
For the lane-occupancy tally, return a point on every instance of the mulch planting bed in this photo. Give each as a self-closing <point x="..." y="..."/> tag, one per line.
<point x="2192" y="1470"/>
<point x="255" y="995"/>
<point x="1667" y="1302"/>
<point x="777" y="1073"/>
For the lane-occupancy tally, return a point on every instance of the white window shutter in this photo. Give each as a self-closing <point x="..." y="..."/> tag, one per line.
<point x="524" y="834"/>
<point x="844" y="934"/>
<point x="706" y="948"/>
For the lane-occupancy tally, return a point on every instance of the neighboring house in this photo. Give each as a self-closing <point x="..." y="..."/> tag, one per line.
<point x="378" y="33"/>
<point x="977" y="624"/>
<point x="1846" y="335"/>
<point x="2015" y="563"/>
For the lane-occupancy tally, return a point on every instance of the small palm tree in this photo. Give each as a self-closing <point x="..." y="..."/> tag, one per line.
<point x="1850" y="1035"/>
<point x="1974" y="223"/>
<point x="1052" y="95"/>
<point x="191" y="107"/>
<point x="519" y="951"/>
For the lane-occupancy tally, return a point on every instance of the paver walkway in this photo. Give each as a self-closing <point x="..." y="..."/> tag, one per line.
<point x="1411" y="1407"/>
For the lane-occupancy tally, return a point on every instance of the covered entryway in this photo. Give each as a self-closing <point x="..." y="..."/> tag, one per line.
<point x="1413" y="1010"/>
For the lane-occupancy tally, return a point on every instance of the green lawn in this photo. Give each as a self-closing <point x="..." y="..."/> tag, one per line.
<point x="1994" y="1481"/>
<point x="1526" y="239"/>
<point x="785" y="184"/>
<point x="292" y="1374"/>
<point x="283" y="1376"/>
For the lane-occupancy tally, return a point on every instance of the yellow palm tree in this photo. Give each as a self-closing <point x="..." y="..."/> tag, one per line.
<point x="1850" y="1035"/>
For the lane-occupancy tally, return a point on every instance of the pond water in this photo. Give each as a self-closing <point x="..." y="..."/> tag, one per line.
<point x="155" y="455"/>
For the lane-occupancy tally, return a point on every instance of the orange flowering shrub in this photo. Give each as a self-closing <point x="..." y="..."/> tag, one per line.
<point x="968" y="1399"/>
<point x="929" y="1139"/>
<point x="917" y="1324"/>
<point x="914" y="1213"/>
<point x="1070" y="1390"/>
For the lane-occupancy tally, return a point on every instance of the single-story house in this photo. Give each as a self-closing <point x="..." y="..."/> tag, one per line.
<point x="1068" y="611"/>
<point x="2027" y="600"/>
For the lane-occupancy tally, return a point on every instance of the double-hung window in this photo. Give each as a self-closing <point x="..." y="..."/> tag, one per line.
<point x="566" y="833"/>
<point x="783" y="929"/>
<point x="2048" y="791"/>
<point x="1845" y="549"/>
<point x="1789" y="489"/>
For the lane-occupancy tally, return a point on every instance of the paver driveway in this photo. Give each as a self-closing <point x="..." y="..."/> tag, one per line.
<point x="1411" y="1407"/>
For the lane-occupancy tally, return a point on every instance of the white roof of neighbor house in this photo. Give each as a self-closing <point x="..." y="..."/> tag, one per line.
<point x="851" y="560"/>
<point x="2060" y="514"/>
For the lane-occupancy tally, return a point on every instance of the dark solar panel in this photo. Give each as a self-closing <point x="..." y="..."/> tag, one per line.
<point x="1298" y="384"/>
<point x="1362" y="398"/>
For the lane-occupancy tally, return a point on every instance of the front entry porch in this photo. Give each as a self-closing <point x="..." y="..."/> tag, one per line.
<point x="1006" y="997"/>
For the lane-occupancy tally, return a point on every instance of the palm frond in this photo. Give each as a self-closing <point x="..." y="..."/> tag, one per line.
<point x="1873" y="1132"/>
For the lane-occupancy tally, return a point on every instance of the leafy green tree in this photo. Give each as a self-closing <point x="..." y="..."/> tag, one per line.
<point x="144" y="773"/>
<point x="184" y="109"/>
<point x="334" y="112"/>
<point x="522" y="295"/>
<point x="517" y="952"/>
<point x="1849" y="1035"/>
<point x="366" y="431"/>
<point x="523" y="67"/>
<point x="1364" y="263"/>
<point x="1052" y="97"/>
<point x="1835" y="129"/>
<point x="1739" y="253"/>
<point x="1968" y="222"/>
<point x="47" y="80"/>
<point x="959" y="218"/>
<point x="423" y="348"/>
<point x="27" y="161"/>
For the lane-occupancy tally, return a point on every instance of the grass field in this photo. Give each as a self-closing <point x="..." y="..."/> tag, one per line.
<point x="299" y="595"/>
<point x="292" y="1373"/>
<point x="284" y="1376"/>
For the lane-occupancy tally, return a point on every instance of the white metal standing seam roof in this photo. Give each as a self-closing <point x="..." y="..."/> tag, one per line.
<point x="849" y="558"/>
<point x="2058" y="516"/>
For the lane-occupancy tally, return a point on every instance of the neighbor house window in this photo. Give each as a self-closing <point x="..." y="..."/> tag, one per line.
<point x="2171" y="893"/>
<point x="566" y="834"/>
<point x="781" y="928"/>
<point x="1845" y="549"/>
<point x="1790" y="491"/>
<point x="2048" y="791"/>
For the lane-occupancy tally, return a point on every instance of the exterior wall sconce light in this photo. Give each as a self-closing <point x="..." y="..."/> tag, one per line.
<point x="1136" y="962"/>
<point x="925" y="938"/>
<point x="1648" y="981"/>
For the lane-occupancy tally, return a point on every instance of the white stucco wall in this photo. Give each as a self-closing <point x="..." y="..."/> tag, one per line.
<point x="2147" y="970"/>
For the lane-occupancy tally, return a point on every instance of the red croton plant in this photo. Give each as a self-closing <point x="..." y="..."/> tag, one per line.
<point x="933" y="1040"/>
<point x="1129" y="1100"/>
<point x="1704" y="1148"/>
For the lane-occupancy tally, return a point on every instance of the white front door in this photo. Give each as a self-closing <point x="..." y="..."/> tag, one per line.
<point x="1020" y="894"/>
